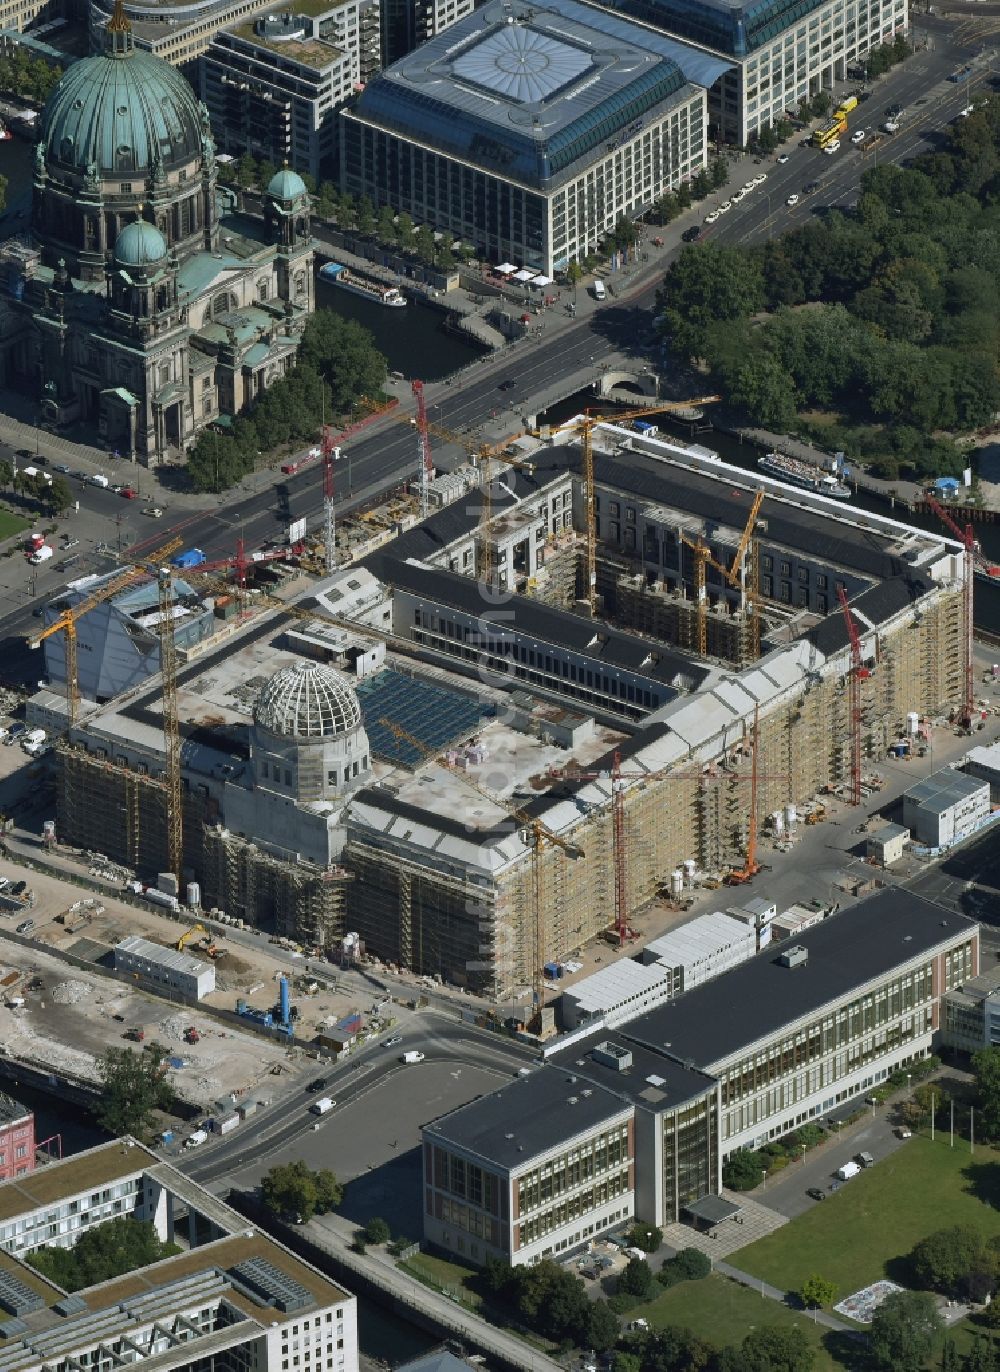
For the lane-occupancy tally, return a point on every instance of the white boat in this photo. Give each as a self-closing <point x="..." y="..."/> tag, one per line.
<point x="798" y="473"/>
<point x="339" y="275"/>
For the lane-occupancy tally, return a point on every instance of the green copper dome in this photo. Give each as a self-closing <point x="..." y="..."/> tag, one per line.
<point x="121" y="112"/>
<point x="286" y="185"/>
<point x="139" y="244"/>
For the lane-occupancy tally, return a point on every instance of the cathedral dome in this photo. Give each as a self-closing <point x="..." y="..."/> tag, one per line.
<point x="308" y="700"/>
<point x="140" y="244"/>
<point x="121" y="112"/>
<point x="286" y="185"/>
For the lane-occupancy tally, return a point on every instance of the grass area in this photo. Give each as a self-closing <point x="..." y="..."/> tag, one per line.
<point x="723" y="1312"/>
<point x="11" y="524"/>
<point x="450" y="1277"/>
<point x="864" y="1231"/>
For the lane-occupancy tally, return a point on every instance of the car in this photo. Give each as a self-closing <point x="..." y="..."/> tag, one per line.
<point x="128" y="492"/>
<point x="25" y="927"/>
<point x="712" y="217"/>
<point x="903" y="1133"/>
<point x="25" y="455"/>
<point x="153" y="512"/>
<point x="737" y="196"/>
<point x="760" y="178"/>
<point x="793" y="199"/>
<point x="692" y="234"/>
<point x="894" y="111"/>
<point x="70" y="543"/>
<point x="317" y="1084"/>
<point x="19" y="888"/>
<point x="833" y="147"/>
<point x="858" y="137"/>
<point x="815" y="1193"/>
<point x="62" y="469"/>
<point x="117" y="489"/>
<point x="15" y="732"/>
<point x="750" y="185"/>
<point x="782" y="159"/>
<point x="836" y="1185"/>
<point x="725" y="207"/>
<point x="810" y="188"/>
<point x="507" y="385"/>
<point x="394" y="1042"/>
<point x="962" y="114"/>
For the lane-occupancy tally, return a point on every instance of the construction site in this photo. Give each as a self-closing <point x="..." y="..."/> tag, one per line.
<point x="590" y="671"/>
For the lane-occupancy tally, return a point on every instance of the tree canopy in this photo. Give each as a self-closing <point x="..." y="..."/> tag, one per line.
<point x="986" y="1067"/>
<point x="133" y="1086"/>
<point x="294" y="1191"/>
<point x="903" y="1331"/>
<point x="770" y="1348"/>
<point x="884" y="315"/>
<point x="108" y="1250"/>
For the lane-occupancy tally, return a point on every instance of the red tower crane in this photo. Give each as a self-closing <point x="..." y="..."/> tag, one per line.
<point x="423" y="446"/>
<point x="857" y="674"/>
<point x="967" y="538"/>
<point x="330" y="455"/>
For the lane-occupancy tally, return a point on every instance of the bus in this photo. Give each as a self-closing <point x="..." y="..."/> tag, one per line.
<point x="845" y="107"/>
<point x="829" y="132"/>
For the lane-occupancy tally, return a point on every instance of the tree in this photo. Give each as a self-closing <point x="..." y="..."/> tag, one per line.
<point x="903" y="1330"/>
<point x="704" y="286"/>
<point x="377" y="1231"/>
<point x="385" y="225"/>
<point x="59" y="497"/>
<point x="133" y="1086"/>
<point x="108" y="1250"/>
<point x="424" y="244"/>
<point x="719" y="168"/>
<point x="342" y="352"/>
<point x="6" y="471"/>
<point x="818" y="1292"/>
<point x="743" y="1171"/>
<point x="246" y="171"/>
<point x="294" y="1191"/>
<point x="645" y="1236"/>
<point x="941" y="1261"/>
<point x="692" y="1264"/>
<point x="676" y="1349"/>
<point x="603" y="1327"/>
<point x="770" y="1348"/>
<point x="636" y="1280"/>
<point x="266" y="172"/>
<point x="364" y="217"/>
<point x="404" y="230"/>
<point x="765" y="391"/>
<point x="986" y="1068"/>
<point x="573" y="272"/>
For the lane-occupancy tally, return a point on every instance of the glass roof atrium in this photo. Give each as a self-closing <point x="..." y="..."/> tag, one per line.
<point x="529" y="93"/>
<point x="729" y="26"/>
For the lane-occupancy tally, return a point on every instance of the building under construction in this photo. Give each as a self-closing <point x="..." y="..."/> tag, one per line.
<point x="479" y="777"/>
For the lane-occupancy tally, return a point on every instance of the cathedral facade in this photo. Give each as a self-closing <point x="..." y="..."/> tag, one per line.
<point x="143" y="305"/>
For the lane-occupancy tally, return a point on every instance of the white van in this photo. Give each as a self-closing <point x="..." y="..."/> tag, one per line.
<point x="322" y="1106"/>
<point x="99" y="479"/>
<point x="412" y="1057"/>
<point x="599" y="292"/>
<point x="849" y="1170"/>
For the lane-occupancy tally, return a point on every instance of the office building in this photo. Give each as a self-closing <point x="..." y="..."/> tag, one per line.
<point x="530" y="1171"/>
<point x="984" y="763"/>
<point x="273" y="85"/>
<point x="408" y="23"/>
<point x="529" y="132"/>
<point x="946" y="807"/>
<point x="17" y="1138"/>
<point x="231" y="1299"/>
<point x="888" y="845"/>
<point x="179" y="34"/>
<point x="775" y="55"/>
<point x="971" y="1014"/>
<point x="164" y="969"/>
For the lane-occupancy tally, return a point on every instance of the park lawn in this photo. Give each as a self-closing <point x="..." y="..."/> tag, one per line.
<point x="449" y="1277"/>
<point x="880" y="1215"/>
<point x="11" y="524"/>
<point x="722" y="1312"/>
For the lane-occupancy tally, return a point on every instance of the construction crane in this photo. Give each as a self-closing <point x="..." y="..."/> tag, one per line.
<point x="735" y="574"/>
<point x="751" y="866"/>
<point x="967" y="538"/>
<point x="171" y="725"/>
<point x="331" y="454"/>
<point x="426" y="467"/>
<point x="857" y="674"/>
<point x="67" y="621"/>
<point x="540" y="836"/>
<point x="585" y="428"/>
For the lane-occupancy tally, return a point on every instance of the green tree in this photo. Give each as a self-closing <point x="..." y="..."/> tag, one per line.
<point x="385" y="225"/>
<point x="266" y="172"/>
<point x="986" y="1069"/>
<point x="377" y="1231"/>
<point x="818" y="1292"/>
<point x="636" y="1279"/>
<point x="942" y="1260"/>
<point x="59" y="497"/>
<point x="246" y="171"/>
<point x="426" y="247"/>
<point x="342" y="352"/>
<point x="573" y="272"/>
<point x="676" y="1349"/>
<point x="329" y="1192"/>
<point x="309" y="181"/>
<point x="289" y="1191"/>
<point x="107" y="1250"/>
<point x="648" y="1237"/>
<point x="765" y="391"/>
<point x="743" y="1170"/>
<point x="702" y="184"/>
<point x="133" y="1086"/>
<point x="719" y="169"/>
<point x="364" y="217"/>
<point x="603" y="1327"/>
<point x="324" y="208"/>
<point x="6" y="471"/>
<point x="903" y="1331"/>
<point x="704" y="286"/>
<point x="404" y="230"/>
<point x="770" y="1348"/>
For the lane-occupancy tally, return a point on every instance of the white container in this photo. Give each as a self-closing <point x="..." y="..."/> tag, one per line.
<point x="192" y="894"/>
<point x="690" y="867"/>
<point x="676" y="881"/>
<point x="791" y="815"/>
<point x="778" y="821"/>
<point x="912" y="723"/>
<point x="48" y="829"/>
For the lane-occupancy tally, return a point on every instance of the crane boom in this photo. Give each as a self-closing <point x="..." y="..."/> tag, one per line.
<point x="967" y="537"/>
<point x="423" y="447"/>
<point x="855" y="677"/>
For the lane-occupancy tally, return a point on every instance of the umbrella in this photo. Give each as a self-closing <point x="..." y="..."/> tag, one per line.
<point x="542" y="281"/>
<point x="505" y="269"/>
<point x="523" y="275"/>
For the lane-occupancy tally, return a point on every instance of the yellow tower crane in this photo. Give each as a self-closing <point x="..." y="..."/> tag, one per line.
<point x="735" y="574"/>
<point x="67" y="620"/>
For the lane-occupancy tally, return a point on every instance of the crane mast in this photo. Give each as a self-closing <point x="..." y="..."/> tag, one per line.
<point x="423" y="447"/>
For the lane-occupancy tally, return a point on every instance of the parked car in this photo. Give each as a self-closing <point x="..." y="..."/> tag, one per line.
<point x="793" y="199"/>
<point x="712" y="217"/>
<point x="760" y="178"/>
<point x="815" y="1193"/>
<point x="692" y="234"/>
<point x="393" y="1042"/>
<point x="725" y="207"/>
<point x="810" y="188"/>
<point x="858" y="136"/>
<point x="836" y="1185"/>
<point x="25" y="927"/>
<point x="128" y="492"/>
<point x="317" y="1084"/>
<point x="903" y="1133"/>
<point x="782" y="159"/>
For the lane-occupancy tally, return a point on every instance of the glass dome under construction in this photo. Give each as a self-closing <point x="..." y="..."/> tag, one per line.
<point x="308" y="700"/>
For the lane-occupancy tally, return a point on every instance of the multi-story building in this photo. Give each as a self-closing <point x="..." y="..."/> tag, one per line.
<point x="530" y="131"/>
<point x="534" y="1169"/>
<point x="232" y="1299"/>
<point x="180" y="33"/>
<point x="776" y="54"/>
<point x="946" y="807"/>
<point x="408" y="23"/>
<point x="273" y="85"/>
<point x="17" y="1139"/>
<point x="972" y="1014"/>
<point x="740" y="1060"/>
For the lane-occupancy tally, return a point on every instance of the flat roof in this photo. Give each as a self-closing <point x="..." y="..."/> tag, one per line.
<point x="758" y="999"/>
<point x="700" y="938"/>
<point x="943" y="789"/>
<point x="608" y="987"/>
<point x="96" y="1167"/>
<point x="178" y="961"/>
<point x="527" y="1117"/>
<point x="650" y="1081"/>
<point x="889" y="832"/>
<point x="986" y="757"/>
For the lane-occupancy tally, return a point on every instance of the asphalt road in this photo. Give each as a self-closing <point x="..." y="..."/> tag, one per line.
<point x="288" y="1119"/>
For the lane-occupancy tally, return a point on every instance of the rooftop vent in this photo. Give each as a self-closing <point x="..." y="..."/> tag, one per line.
<point x="612" y="1055"/>
<point x="796" y="956"/>
<point x="270" y="1285"/>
